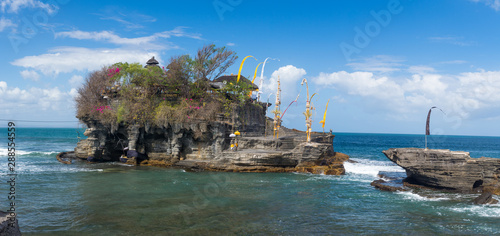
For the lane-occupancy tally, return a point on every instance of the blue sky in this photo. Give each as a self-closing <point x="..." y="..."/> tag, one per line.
<point x="381" y="63"/>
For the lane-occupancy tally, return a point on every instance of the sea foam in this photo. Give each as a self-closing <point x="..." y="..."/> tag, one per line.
<point x="480" y="210"/>
<point x="370" y="167"/>
<point x="415" y="197"/>
<point x="5" y="152"/>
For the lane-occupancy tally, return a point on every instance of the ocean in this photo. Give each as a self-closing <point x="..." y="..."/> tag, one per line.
<point x="116" y="199"/>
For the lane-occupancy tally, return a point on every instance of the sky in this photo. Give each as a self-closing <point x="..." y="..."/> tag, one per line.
<point x="382" y="63"/>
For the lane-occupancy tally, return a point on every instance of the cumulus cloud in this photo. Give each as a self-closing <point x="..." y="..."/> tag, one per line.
<point x="6" y="23"/>
<point x="495" y="4"/>
<point x="362" y="83"/>
<point x="69" y="59"/>
<point x="459" y="94"/>
<point x="76" y="81"/>
<point x="13" y="6"/>
<point x="29" y="74"/>
<point x="33" y="100"/>
<point x="290" y="77"/>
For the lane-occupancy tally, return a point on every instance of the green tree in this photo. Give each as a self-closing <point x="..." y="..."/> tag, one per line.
<point x="179" y="75"/>
<point x="211" y="62"/>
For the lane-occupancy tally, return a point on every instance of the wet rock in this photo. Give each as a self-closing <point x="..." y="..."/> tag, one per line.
<point x="205" y="145"/>
<point x="7" y="226"/>
<point x="385" y="186"/>
<point x="448" y="170"/>
<point x="65" y="157"/>
<point x="492" y="188"/>
<point x="391" y="175"/>
<point x="485" y="198"/>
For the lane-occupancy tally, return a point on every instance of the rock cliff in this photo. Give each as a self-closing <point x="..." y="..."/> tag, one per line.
<point x="205" y="145"/>
<point x="445" y="169"/>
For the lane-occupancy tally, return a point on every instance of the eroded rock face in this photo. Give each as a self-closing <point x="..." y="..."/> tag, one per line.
<point x="315" y="158"/>
<point x="205" y="145"/>
<point x="447" y="169"/>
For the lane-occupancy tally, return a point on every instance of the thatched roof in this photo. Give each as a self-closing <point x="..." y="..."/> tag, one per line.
<point x="219" y="82"/>
<point x="152" y="62"/>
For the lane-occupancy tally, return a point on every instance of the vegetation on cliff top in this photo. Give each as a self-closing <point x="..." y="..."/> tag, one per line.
<point x="134" y="94"/>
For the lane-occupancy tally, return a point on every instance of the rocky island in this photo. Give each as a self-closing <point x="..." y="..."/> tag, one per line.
<point x="448" y="170"/>
<point x="188" y="115"/>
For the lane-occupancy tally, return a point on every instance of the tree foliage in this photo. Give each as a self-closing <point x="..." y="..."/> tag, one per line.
<point x="211" y="62"/>
<point x="180" y="92"/>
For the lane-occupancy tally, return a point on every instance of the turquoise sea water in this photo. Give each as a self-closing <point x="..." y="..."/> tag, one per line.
<point x="115" y="199"/>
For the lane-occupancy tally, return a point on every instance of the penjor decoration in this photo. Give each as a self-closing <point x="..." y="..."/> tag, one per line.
<point x="427" y="124"/>
<point x="297" y="98"/>
<point x="241" y="67"/>
<point x="307" y="113"/>
<point x="254" y="76"/>
<point x="277" y="112"/>
<point x="262" y="77"/>
<point x="267" y="107"/>
<point x="322" y="122"/>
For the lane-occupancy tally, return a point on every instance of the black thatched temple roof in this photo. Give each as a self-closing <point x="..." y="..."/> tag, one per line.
<point x="152" y="62"/>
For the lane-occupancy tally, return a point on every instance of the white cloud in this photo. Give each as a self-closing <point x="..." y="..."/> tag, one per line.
<point x="73" y="93"/>
<point x="459" y="95"/>
<point x="290" y="77"/>
<point x="425" y="84"/>
<point x="147" y="42"/>
<point x="127" y="24"/>
<point x="421" y="69"/>
<point x="454" y="62"/>
<point x="34" y="100"/>
<point x="231" y="44"/>
<point x="5" y="23"/>
<point x="495" y="4"/>
<point x="130" y="20"/>
<point x="76" y="81"/>
<point x="3" y="86"/>
<point x="29" y="74"/>
<point x="380" y="63"/>
<point x="362" y="83"/>
<point x="69" y="59"/>
<point x="483" y="86"/>
<point x="13" y="6"/>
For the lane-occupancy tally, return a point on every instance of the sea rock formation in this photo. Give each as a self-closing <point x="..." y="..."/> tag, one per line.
<point x="485" y="198"/>
<point x="386" y="186"/>
<point x="7" y="227"/>
<point x="445" y="169"/>
<point x="205" y="145"/>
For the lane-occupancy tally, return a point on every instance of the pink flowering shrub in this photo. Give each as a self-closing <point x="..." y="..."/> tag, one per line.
<point x="113" y="71"/>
